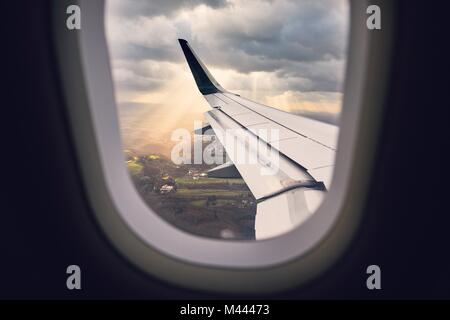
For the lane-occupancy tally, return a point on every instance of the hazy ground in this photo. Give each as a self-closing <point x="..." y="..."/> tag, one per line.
<point x="218" y="208"/>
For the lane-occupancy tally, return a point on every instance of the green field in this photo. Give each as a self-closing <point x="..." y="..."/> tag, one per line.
<point x="202" y="206"/>
<point x="207" y="192"/>
<point x="217" y="203"/>
<point x="189" y="180"/>
<point x="134" y="168"/>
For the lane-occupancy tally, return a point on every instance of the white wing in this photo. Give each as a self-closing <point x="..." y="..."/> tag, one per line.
<point x="286" y="160"/>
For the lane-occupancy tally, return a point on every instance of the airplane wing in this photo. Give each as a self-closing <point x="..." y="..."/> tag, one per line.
<point x="286" y="160"/>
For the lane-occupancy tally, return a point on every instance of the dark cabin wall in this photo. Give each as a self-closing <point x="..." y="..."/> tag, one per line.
<point x="46" y="223"/>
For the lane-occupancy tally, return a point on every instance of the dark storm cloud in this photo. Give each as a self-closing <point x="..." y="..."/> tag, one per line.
<point x="276" y="41"/>
<point x="313" y="76"/>
<point x="146" y="8"/>
<point x="302" y="42"/>
<point x="141" y="75"/>
<point x="138" y="52"/>
<point x="139" y="84"/>
<point x="307" y="32"/>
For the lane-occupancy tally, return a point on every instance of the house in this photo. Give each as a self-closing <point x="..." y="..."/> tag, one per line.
<point x="166" y="189"/>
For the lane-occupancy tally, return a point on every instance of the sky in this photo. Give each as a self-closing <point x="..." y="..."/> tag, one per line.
<point x="289" y="54"/>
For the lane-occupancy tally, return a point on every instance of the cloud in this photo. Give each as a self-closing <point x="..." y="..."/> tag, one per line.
<point x="142" y="75"/>
<point x="146" y="8"/>
<point x="281" y="45"/>
<point x="276" y="30"/>
<point x="321" y="102"/>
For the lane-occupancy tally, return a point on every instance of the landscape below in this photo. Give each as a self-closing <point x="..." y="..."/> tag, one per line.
<point x="184" y="196"/>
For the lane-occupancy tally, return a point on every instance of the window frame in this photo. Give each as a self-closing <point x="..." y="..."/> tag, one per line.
<point x="161" y="249"/>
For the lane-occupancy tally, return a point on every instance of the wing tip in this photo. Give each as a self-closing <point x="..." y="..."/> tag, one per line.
<point x="205" y="81"/>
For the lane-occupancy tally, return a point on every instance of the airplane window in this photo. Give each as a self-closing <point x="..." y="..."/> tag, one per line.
<point x="229" y="110"/>
<point x="201" y="126"/>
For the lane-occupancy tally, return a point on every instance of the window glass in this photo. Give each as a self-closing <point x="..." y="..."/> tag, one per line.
<point x="289" y="55"/>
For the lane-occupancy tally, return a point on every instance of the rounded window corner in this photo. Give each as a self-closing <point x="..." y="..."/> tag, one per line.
<point x="210" y="264"/>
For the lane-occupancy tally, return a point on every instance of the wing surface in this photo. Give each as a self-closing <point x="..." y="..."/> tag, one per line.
<point x="286" y="160"/>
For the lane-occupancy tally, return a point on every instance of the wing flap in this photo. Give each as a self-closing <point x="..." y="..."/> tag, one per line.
<point x="272" y="133"/>
<point x="322" y="133"/>
<point x="264" y="170"/>
<point x="309" y="154"/>
<point x="280" y="214"/>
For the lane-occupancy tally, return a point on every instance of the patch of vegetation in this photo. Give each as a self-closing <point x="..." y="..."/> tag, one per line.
<point x="134" y="168"/>
<point x="181" y="195"/>
<point x="204" y="180"/>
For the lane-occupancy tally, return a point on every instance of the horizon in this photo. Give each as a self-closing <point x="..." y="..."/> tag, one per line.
<point x="295" y="64"/>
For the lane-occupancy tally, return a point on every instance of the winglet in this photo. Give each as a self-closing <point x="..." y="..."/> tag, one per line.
<point x="205" y="81"/>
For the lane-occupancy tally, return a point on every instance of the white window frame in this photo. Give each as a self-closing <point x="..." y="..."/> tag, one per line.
<point x="160" y="248"/>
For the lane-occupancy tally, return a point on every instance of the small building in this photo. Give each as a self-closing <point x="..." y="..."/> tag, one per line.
<point x="166" y="189"/>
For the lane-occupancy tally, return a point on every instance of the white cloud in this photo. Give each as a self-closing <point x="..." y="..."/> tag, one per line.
<point x="285" y="53"/>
